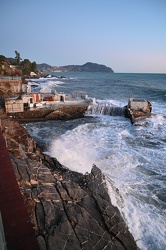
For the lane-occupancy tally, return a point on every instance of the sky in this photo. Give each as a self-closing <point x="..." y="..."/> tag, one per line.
<point x="127" y="35"/>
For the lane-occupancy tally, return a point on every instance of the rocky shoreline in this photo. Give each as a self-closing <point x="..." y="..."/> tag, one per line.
<point x="69" y="210"/>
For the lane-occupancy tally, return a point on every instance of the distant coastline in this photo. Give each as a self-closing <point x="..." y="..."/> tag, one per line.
<point x="87" y="67"/>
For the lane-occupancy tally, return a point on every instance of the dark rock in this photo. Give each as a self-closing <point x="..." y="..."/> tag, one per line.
<point x="69" y="210"/>
<point x="41" y="242"/>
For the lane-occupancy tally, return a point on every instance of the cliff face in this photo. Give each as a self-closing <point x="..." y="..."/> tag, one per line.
<point x="69" y="210"/>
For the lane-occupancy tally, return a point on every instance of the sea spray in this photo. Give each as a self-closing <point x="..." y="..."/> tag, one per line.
<point x="132" y="157"/>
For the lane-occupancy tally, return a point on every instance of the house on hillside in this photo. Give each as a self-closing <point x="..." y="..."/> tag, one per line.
<point x="33" y="74"/>
<point x="13" y="67"/>
<point x="5" y="65"/>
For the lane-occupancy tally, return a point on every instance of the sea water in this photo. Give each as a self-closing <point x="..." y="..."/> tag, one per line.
<point x="133" y="158"/>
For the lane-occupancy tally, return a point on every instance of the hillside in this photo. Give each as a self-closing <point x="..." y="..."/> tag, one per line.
<point x="87" y="67"/>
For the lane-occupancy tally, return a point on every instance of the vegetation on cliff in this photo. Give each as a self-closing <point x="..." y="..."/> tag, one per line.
<point x="24" y="67"/>
<point x="16" y="67"/>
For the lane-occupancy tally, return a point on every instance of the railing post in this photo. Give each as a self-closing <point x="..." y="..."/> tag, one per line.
<point x="2" y="235"/>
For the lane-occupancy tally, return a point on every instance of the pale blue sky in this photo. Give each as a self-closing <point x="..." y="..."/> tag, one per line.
<point x="126" y="35"/>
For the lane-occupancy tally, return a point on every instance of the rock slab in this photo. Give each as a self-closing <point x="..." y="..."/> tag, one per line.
<point x="69" y="210"/>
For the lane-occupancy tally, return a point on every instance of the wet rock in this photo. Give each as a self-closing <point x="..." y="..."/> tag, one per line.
<point x="69" y="210"/>
<point x="41" y="242"/>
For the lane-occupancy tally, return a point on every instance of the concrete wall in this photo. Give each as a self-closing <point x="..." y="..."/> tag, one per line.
<point x="9" y="87"/>
<point x="138" y="104"/>
<point x="13" y="106"/>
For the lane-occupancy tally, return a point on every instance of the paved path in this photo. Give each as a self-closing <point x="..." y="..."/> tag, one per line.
<point x="18" y="229"/>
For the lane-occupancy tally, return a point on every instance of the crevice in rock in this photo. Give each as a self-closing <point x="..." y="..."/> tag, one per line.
<point x="94" y="194"/>
<point x="63" y="202"/>
<point x="106" y="227"/>
<point x="71" y="223"/>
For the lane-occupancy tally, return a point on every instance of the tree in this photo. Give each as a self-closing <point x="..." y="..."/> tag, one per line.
<point x="2" y="59"/>
<point x="26" y="66"/>
<point x="34" y="67"/>
<point x="18" y="58"/>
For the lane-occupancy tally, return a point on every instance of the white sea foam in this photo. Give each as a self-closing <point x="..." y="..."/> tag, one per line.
<point x="112" y="102"/>
<point x="55" y="83"/>
<point x="140" y="215"/>
<point x="112" y="147"/>
<point x="132" y="157"/>
<point x="157" y="120"/>
<point x="69" y="151"/>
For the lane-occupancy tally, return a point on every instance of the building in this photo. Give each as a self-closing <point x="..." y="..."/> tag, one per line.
<point x="14" y="104"/>
<point x="10" y="85"/>
<point x="33" y="74"/>
<point x="26" y="88"/>
<point x="28" y="101"/>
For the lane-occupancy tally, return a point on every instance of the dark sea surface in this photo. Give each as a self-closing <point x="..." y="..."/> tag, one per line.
<point x="133" y="158"/>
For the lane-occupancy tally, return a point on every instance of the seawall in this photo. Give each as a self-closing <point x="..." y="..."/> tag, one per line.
<point x="62" y="112"/>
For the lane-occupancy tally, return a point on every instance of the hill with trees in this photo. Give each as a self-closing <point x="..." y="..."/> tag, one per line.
<point x="87" y="67"/>
<point x="16" y="66"/>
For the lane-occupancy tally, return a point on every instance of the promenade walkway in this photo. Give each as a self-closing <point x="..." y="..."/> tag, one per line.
<point x="19" y="233"/>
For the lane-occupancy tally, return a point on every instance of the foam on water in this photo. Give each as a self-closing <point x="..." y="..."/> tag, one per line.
<point x="45" y="85"/>
<point x="111" y="102"/>
<point x="113" y="148"/>
<point x="132" y="157"/>
<point x="69" y="150"/>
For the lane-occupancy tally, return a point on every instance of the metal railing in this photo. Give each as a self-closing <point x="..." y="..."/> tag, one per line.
<point x="10" y="77"/>
<point x="2" y="235"/>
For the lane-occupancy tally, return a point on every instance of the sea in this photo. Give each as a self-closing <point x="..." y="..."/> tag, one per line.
<point x="132" y="157"/>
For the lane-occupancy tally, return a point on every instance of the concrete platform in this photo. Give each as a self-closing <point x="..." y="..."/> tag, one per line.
<point x="138" y="109"/>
